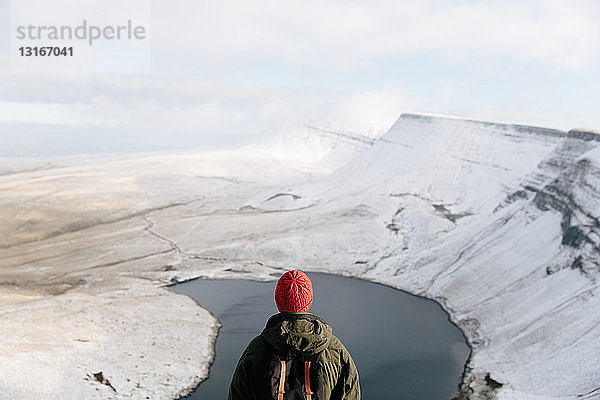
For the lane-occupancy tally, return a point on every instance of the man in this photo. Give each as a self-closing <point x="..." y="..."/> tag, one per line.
<point x="296" y="356"/>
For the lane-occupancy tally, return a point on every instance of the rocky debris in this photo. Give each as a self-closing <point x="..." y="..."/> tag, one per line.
<point x="99" y="377"/>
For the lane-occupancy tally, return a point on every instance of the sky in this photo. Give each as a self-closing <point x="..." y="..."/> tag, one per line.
<point x="229" y="72"/>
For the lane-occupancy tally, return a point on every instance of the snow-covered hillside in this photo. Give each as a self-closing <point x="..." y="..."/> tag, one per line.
<point x="499" y="223"/>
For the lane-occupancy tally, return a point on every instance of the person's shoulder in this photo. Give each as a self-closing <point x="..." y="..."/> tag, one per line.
<point x="336" y="346"/>
<point x="336" y="343"/>
<point x="256" y="345"/>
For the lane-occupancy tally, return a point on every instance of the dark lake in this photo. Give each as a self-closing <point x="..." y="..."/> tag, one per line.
<point x="404" y="346"/>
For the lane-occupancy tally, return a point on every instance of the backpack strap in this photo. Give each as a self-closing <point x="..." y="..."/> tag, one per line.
<point x="280" y="391"/>
<point x="307" y="390"/>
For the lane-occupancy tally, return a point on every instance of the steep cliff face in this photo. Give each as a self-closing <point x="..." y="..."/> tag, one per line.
<point x="525" y="279"/>
<point x="518" y="260"/>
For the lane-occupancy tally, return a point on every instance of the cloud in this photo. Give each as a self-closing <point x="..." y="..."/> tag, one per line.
<point x="96" y="113"/>
<point x="340" y="34"/>
<point x="196" y="106"/>
<point x="193" y="94"/>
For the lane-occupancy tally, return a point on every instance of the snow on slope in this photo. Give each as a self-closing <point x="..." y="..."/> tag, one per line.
<point x="519" y="272"/>
<point x="81" y="309"/>
<point x="519" y="275"/>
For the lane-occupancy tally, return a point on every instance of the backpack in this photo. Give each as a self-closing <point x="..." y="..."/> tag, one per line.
<point x="292" y="376"/>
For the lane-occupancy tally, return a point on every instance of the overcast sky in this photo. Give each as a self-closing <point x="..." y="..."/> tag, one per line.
<point x="223" y="72"/>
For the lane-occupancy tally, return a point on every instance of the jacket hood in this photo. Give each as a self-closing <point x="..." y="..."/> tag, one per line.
<point x="297" y="332"/>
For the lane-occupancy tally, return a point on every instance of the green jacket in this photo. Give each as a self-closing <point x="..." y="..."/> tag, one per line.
<point x="295" y="333"/>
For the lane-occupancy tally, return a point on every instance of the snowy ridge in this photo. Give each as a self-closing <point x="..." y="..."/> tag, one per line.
<point x="498" y="125"/>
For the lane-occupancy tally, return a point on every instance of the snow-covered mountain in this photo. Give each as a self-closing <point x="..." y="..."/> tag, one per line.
<point x="518" y="263"/>
<point x="499" y="223"/>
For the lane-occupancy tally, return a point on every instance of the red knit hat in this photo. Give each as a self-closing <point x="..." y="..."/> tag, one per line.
<point x="293" y="292"/>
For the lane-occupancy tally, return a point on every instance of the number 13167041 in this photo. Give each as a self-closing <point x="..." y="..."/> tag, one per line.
<point x="46" y="51"/>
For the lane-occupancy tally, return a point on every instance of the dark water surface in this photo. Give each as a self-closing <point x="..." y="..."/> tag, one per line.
<point x="404" y="346"/>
